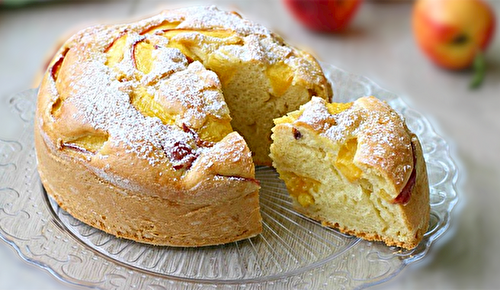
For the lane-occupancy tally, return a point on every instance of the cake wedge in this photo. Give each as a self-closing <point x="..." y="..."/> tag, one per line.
<point x="355" y="167"/>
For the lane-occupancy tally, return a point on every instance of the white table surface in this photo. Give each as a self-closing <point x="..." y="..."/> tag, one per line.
<point x="379" y="45"/>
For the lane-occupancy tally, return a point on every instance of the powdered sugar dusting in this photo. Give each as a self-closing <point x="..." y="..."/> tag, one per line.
<point x="166" y="61"/>
<point x="252" y="50"/>
<point x="127" y="65"/>
<point x="210" y="17"/>
<point x="104" y="103"/>
<point x="103" y="99"/>
<point x="258" y="43"/>
<point x="187" y="93"/>
<point x="316" y="115"/>
<point x="383" y="140"/>
<point x="191" y="94"/>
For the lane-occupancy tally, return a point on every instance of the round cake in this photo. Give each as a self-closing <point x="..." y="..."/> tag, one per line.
<point x="134" y="127"/>
<point x="355" y="167"/>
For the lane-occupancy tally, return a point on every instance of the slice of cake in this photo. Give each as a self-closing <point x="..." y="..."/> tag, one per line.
<point x="355" y="167"/>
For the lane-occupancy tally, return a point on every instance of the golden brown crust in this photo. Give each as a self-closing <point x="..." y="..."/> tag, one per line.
<point x="196" y="217"/>
<point x="209" y="208"/>
<point x="384" y="142"/>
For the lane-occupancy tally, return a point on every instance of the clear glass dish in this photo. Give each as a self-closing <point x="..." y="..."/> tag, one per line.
<point x="293" y="252"/>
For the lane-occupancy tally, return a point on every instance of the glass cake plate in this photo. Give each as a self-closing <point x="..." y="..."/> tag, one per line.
<point x="293" y="252"/>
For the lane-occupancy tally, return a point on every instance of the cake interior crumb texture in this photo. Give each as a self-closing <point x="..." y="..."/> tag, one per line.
<point x="338" y="163"/>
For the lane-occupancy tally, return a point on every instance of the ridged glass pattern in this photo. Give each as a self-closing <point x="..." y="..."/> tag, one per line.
<point x="293" y="252"/>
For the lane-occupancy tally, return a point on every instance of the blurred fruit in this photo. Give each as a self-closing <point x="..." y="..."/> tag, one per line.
<point x="324" y="15"/>
<point x="453" y="32"/>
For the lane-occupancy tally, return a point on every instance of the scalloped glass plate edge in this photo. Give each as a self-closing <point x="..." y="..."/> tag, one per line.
<point x="36" y="248"/>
